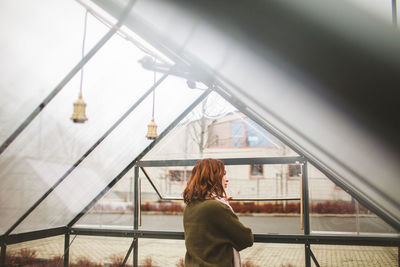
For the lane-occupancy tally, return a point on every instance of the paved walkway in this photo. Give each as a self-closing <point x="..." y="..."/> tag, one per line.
<point x="165" y="253"/>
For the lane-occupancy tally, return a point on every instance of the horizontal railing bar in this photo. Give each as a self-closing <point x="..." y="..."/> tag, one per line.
<point x="266" y="199"/>
<point x="247" y="199"/>
<point x="28" y="236"/>
<point x="227" y="161"/>
<point x="258" y="238"/>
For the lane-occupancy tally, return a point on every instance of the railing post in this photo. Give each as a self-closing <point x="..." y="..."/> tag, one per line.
<point x="306" y="211"/>
<point x="66" y="249"/>
<point x="136" y="215"/>
<point x="3" y="255"/>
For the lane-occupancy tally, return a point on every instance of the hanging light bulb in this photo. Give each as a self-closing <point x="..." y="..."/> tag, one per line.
<point x="152" y="130"/>
<point x="152" y="126"/>
<point x="79" y="114"/>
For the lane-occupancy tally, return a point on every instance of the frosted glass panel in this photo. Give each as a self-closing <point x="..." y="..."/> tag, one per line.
<point x="52" y="143"/>
<point x="121" y="147"/>
<point x="40" y="43"/>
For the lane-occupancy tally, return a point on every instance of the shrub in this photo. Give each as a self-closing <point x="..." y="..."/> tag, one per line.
<point x="327" y="207"/>
<point x="249" y="264"/>
<point x="85" y="262"/>
<point x="116" y="260"/>
<point x="180" y="263"/>
<point x="147" y="262"/>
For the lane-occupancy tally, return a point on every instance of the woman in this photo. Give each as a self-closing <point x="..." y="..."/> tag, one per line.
<point x="213" y="233"/>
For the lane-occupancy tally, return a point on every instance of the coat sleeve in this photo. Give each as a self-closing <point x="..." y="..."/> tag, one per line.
<point x="227" y="222"/>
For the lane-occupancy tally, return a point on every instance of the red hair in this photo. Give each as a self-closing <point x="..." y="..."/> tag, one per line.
<point x="205" y="181"/>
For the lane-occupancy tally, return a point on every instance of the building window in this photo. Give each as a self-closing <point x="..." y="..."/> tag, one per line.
<point x="256" y="136"/>
<point x="294" y="171"/>
<point x="256" y="171"/>
<point x="178" y="176"/>
<point x="239" y="134"/>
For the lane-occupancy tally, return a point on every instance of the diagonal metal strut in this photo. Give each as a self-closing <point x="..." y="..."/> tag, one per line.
<point x="77" y="163"/>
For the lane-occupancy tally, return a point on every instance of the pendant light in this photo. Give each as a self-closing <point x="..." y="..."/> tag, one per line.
<point x="79" y="115"/>
<point x="152" y="126"/>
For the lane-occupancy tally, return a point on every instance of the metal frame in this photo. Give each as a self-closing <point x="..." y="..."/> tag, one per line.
<point x="136" y="215"/>
<point x="206" y="75"/>
<point x="66" y="249"/>
<point x="306" y="211"/>
<point x="226" y="161"/>
<point x="86" y="154"/>
<point x="309" y="251"/>
<point x="258" y="238"/>
<point x="136" y="234"/>
<point x="3" y="255"/>
<point x="290" y="143"/>
<point x="305" y="239"/>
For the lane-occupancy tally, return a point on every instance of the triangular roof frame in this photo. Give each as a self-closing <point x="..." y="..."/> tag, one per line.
<point x="234" y="95"/>
<point x="202" y="74"/>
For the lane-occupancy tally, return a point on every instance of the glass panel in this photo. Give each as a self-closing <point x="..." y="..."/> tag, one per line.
<point x="110" y="157"/>
<point x="329" y="255"/>
<point x="172" y="253"/>
<point x="114" y="209"/>
<point x="216" y="129"/>
<point x="52" y="143"/>
<point x="269" y="218"/>
<point x="333" y="211"/>
<point x="276" y="255"/>
<point x="156" y="214"/>
<point x="270" y="181"/>
<point x="237" y="133"/>
<point x="36" y="55"/>
<point x="169" y="252"/>
<point x="105" y="251"/>
<point x="43" y="252"/>
<point x="272" y="216"/>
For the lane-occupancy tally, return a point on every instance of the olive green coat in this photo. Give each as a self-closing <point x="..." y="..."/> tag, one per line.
<point x="211" y="230"/>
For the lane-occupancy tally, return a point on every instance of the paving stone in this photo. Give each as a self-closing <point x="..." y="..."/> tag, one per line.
<point x="165" y="253"/>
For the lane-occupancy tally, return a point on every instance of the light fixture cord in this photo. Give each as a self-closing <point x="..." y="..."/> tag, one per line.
<point x="83" y="49"/>
<point x="154" y="93"/>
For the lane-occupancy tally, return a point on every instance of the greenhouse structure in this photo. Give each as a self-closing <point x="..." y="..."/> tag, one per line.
<point x="108" y="104"/>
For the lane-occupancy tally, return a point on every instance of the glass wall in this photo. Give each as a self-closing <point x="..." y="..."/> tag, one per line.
<point x="169" y="252"/>
<point x="106" y="162"/>
<point x="114" y="209"/>
<point x="103" y="251"/>
<point x="40" y="252"/>
<point x="172" y="253"/>
<point x="352" y="256"/>
<point x="333" y="211"/>
<point x="217" y="129"/>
